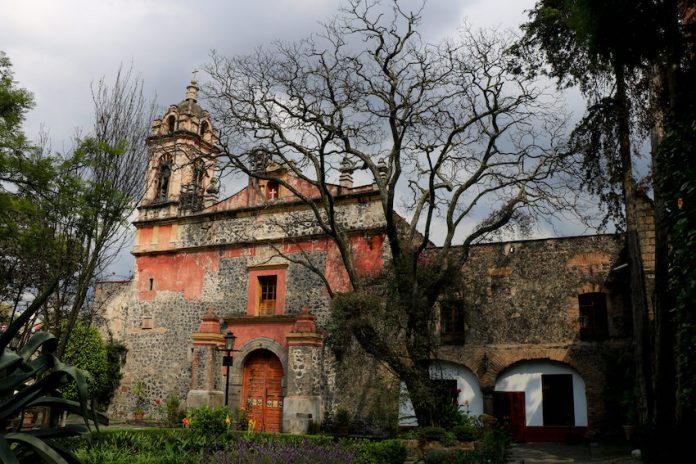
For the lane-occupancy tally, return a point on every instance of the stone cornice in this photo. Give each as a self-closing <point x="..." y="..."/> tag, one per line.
<point x="267" y="208"/>
<point x="304" y="339"/>
<point x="246" y="320"/>
<point x="208" y="339"/>
<point x="183" y="134"/>
<point x="247" y="243"/>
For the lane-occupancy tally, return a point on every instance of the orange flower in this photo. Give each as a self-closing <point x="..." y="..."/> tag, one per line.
<point x="186" y="422"/>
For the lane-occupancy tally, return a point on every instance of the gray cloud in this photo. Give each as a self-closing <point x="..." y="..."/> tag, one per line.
<point x="59" y="48"/>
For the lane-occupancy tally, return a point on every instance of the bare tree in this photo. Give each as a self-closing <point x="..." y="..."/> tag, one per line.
<point x="452" y="132"/>
<point x="113" y="159"/>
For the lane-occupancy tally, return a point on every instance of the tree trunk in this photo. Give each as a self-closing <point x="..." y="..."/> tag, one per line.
<point x="422" y="396"/>
<point x="665" y="330"/>
<point x="639" y="301"/>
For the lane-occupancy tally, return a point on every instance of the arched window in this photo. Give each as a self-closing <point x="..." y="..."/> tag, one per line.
<point x="198" y="172"/>
<point x="171" y="124"/>
<point x="163" y="175"/>
<point x="204" y="128"/>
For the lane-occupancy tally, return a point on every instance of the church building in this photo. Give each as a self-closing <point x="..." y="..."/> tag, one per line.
<point x="544" y="322"/>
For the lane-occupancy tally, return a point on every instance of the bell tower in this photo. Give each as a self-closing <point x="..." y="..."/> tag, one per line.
<point x="181" y="166"/>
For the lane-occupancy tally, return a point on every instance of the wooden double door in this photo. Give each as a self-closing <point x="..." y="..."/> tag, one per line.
<point x="262" y="395"/>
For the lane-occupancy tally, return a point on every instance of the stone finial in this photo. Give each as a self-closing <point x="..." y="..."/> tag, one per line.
<point x="192" y="88"/>
<point x="214" y="187"/>
<point x="382" y="168"/>
<point x="305" y="322"/>
<point x="210" y="323"/>
<point x="346" y="170"/>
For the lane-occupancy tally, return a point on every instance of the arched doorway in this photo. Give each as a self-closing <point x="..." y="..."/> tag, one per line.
<point x="544" y="401"/>
<point x="262" y="395"/>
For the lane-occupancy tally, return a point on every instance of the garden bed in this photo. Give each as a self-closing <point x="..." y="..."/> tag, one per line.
<point x="182" y="446"/>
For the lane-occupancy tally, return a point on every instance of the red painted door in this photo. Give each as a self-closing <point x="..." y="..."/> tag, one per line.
<point x="509" y="406"/>
<point x="263" y="390"/>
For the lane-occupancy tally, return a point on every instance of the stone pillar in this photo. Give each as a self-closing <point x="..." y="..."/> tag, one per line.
<point x="302" y="404"/>
<point x="206" y="363"/>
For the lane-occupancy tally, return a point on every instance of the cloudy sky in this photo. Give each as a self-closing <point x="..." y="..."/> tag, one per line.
<point x="58" y="48"/>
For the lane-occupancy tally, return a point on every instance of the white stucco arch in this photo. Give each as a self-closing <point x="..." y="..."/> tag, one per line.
<point x="526" y="376"/>
<point x="470" y="398"/>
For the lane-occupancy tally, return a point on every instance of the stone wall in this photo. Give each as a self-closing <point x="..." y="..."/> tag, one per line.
<point x="527" y="292"/>
<point x="522" y="304"/>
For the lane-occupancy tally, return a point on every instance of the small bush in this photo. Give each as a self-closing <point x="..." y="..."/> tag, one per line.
<point x="426" y="434"/>
<point x="174" y="412"/>
<point x="465" y="432"/>
<point x="207" y="421"/>
<point x="448" y="439"/>
<point x="342" y="417"/>
<point x="382" y="452"/>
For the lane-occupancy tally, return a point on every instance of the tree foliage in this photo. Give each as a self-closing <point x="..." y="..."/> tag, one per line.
<point x="87" y="351"/>
<point x="602" y="48"/>
<point x="66" y="214"/>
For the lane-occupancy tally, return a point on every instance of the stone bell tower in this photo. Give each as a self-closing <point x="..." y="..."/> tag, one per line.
<point x="181" y="166"/>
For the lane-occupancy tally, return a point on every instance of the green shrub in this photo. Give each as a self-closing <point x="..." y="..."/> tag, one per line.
<point x="465" y="432"/>
<point x="174" y="413"/>
<point x="426" y="434"/>
<point x="209" y="422"/>
<point x="449" y="439"/>
<point x="342" y="417"/>
<point x="494" y="443"/>
<point x="115" y="353"/>
<point x="382" y="452"/>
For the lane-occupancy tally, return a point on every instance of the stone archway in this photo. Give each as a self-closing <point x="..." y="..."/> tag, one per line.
<point x="240" y="358"/>
<point x="262" y="390"/>
<point x="544" y="400"/>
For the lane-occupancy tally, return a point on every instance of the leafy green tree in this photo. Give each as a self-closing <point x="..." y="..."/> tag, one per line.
<point x="651" y="46"/>
<point x="66" y="215"/>
<point x="602" y="47"/>
<point x="86" y="350"/>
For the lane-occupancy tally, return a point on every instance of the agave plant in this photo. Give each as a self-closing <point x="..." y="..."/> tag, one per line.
<point x="31" y="377"/>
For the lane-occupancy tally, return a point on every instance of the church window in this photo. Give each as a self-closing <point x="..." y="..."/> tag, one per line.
<point x="451" y="324"/>
<point x="198" y="173"/>
<point x="272" y="189"/>
<point x="593" y="316"/>
<point x="204" y="128"/>
<point x="267" y="295"/>
<point x="164" y="175"/>
<point x="171" y="124"/>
